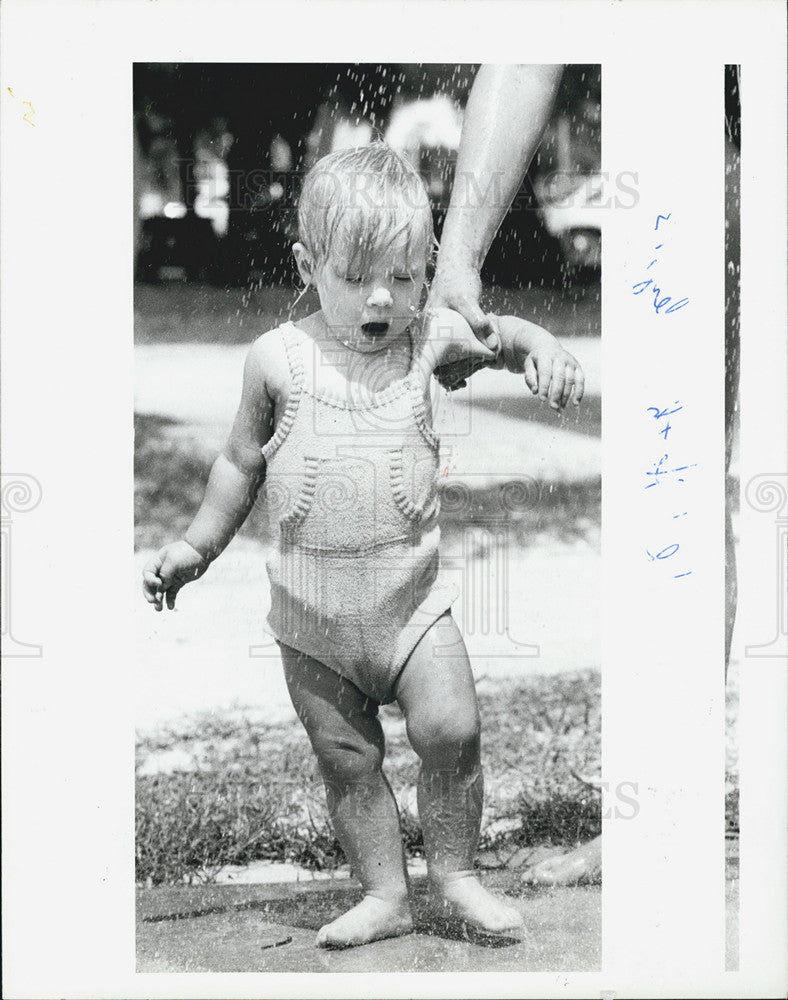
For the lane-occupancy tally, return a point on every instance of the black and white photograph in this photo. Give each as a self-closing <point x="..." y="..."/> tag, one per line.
<point x="396" y="270"/>
<point x="394" y="499"/>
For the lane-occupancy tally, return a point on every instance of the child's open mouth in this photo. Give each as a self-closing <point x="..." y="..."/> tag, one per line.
<point x="374" y="329"/>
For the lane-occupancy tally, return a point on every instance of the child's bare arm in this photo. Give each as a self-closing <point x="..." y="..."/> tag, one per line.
<point x="233" y="484"/>
<point x="238" y="472"/>
<point x="549" y="370"/>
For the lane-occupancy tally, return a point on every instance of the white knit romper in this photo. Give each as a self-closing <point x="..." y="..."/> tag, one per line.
<point x="352" y="485"/>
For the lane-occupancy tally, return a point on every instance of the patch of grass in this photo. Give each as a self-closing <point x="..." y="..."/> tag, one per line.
<point x="180" y="313"/>
<point x="169" y="481"/>
<point x="171" y="470"/>
<point x="244" y="793"/>
<point x="249" y="792"/>
<point x="566" y="511"/>
<point x="204" y="314"/>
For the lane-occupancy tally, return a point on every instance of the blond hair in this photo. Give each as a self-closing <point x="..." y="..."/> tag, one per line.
<point x="356" y="202"/>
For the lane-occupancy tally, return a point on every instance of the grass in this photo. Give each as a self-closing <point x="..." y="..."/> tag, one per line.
<point x="245" y="791"/>
<point x="204" y="314"/>
<point x="171" y="470"/>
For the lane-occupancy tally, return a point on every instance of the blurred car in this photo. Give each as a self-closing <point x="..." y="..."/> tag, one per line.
<point x="571" y="208"/>
<point x="177" y="246"/>
<point x="427" y="132"/>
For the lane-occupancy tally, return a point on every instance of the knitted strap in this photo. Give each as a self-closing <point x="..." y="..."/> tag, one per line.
<point x="408" y="508"/>
<point x="296" y="363"/>
<point x="420" y="412"/>
<point x="303" y="502"/>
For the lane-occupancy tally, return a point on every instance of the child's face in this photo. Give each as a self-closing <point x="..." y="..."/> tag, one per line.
<point x="369" y="311"/>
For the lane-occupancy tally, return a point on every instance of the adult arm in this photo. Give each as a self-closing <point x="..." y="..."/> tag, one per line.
<point x="508" y="110"/>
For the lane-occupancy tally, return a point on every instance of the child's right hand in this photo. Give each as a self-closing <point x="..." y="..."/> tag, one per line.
<point x="170" y="569"/>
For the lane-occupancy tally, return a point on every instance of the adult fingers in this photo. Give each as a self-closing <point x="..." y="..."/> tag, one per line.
<point x="489" y="330"/>
<point x="467" y="305"/>
<point x="479" y="349"/>
<point x="480" y="322"/>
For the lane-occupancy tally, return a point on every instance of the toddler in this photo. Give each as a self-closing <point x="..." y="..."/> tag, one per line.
<point x="335" y="417"/>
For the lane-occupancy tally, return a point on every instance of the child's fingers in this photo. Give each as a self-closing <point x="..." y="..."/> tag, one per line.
<point x="531" y="377"/>
<point x="545" y="373"/>
<point x="557" y="383"/>
<point x="153" y="565"/>
<point x="568" y="386"/>
<point x="171" y="595"/>
<point x="150" y="584"/>
<point x="580" y="384"/>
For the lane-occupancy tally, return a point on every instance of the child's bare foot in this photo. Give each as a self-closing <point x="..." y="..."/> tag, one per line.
<point x="465" y="898"/>
<point x="371" y="919"/>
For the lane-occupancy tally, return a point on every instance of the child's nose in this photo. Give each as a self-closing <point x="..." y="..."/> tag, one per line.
<point x="380" y="297"/>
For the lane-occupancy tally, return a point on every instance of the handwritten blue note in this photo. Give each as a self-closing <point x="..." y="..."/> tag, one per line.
<point x="663" y="304"/>
<point x="664" y="475"/>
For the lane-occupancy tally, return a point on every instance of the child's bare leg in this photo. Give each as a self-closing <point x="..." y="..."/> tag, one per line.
<point x="347" y="738"/>
<point x="437" y="695"/>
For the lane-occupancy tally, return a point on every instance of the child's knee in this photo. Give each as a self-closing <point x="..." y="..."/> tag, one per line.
<point x="448" y="740"/>
<point x="347" y="762"/>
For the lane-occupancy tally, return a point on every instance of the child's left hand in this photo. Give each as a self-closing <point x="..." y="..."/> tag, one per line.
<point x="550" y="372"/>
<point x="554" y="374"/>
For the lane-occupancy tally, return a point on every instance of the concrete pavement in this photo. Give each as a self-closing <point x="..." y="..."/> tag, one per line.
<point x="272" y="929"/>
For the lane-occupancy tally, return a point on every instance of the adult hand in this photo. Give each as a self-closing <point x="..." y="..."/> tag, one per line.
<point x="459" y="288"/>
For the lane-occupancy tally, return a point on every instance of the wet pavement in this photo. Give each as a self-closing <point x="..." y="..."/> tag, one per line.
<point x="271" y="928"/>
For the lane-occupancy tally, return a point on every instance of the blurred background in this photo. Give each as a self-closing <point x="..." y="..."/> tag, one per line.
<point x="219" y="154"/>
<point x="220" y="151"/>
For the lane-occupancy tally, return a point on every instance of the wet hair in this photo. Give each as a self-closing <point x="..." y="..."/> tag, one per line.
<point x="356" y="202"/>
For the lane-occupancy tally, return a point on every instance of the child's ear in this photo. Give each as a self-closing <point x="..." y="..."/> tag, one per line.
<point x="303" y="261"/>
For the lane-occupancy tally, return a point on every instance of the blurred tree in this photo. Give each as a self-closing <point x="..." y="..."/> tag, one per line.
<point x="273" y="107"/>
